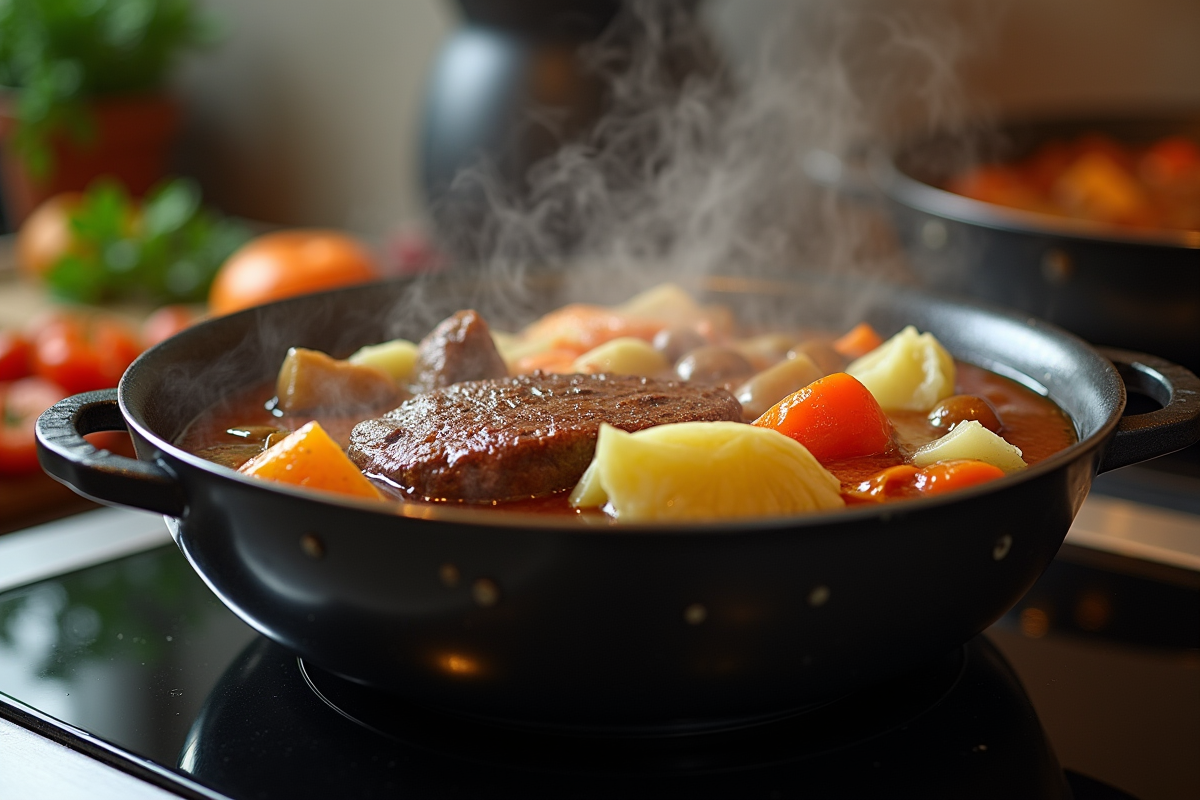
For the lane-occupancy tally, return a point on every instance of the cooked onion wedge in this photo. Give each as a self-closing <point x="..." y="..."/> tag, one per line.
<point x="911" y="371"/>
<point x="703" y="470"/>
<point x="971" y="440"/>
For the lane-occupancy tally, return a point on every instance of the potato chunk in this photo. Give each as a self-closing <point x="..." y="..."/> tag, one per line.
<point x="309" y="380"/>
<point x="911" y="371"/>
<point x="397" y="358"/>
<point x="703" y="470"/>
<point x="623" y="356"/>
<point x="971" y="440"/>
<point x="308" y="457"/>
<point x="775" y="383"/>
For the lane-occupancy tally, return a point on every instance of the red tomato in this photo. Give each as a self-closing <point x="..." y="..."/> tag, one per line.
<point x="166" y="322"/>
<point x="83" y="353"/>
<point x="16" y="356"/>
<point x="20" y="404"/>
<point x="835" y="417"/>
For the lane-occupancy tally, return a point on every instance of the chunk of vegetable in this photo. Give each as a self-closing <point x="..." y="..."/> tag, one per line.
<point x="310" y="380"/>
<point x="308" y="457"/>
<point x="714" y="365"/>
<point x="906" y="480"/>
<point x="950" y="476"/>
<point x="766" y="350"/>
<point x="666" y="303"/>
<point x="834" y="417"/>
<point x="624" y="356"/>
<point x="581" y="327"/>
<point x="911" y="371"/>
<point x="703" y="470"/>
<point x="771" y="385"/>
<point x="962" y="407"/>
<point x="971" y="440"/>
<point x="860" y="340"/>
<point x="396" y="358"/>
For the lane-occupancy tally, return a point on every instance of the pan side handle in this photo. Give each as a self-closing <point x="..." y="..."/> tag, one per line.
<point x="1173" y="427"/>
<point x="98" y="474"/>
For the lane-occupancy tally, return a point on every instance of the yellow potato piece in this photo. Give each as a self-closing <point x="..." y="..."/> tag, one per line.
<point x="308" y="457"/>
<point x="971" y="440"/>
<point x="667" y="303"/>
<point x="911" y="371"/>
<point x="626" y="355"/>
<point x="397" y="358"/>
<point x="703" y="471"/>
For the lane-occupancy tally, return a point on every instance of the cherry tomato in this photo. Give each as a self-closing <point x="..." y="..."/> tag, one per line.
<point x="16" y="356"/>
<point x="83" y="353"/>
<point x="21" y="402"/>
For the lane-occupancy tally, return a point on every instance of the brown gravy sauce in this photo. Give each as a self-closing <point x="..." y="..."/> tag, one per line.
<point x="1031" y="422"/>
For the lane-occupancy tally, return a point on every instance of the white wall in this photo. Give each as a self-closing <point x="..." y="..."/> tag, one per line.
<point x="306" y="113"/>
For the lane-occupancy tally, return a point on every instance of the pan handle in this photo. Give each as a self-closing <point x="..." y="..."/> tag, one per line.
<point x="1173" y="427"/>
<point x="98" y="474"/>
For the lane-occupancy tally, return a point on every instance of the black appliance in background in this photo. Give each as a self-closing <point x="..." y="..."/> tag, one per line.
<point x="517" y="80"/>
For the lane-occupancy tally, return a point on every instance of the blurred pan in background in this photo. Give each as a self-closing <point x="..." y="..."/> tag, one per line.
<point x="1112" y="284"/>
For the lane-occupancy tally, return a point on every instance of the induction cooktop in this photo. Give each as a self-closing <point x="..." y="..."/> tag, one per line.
<point x="121" y="675"/>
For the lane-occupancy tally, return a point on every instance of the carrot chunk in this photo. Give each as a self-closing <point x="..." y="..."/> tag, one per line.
<point x="835" y="417"/>
<point x="860" y="340"/>
<point x="906" y="480"/>
<point x="581" y="327"/>
<point x="309" y="457"/>
<point x="949" y="476"/>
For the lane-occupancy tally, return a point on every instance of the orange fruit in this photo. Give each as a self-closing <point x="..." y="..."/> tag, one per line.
<point x="45" y="235"/>
<point x="289" y="263"/>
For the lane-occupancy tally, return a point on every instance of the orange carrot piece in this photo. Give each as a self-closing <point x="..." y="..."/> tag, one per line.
<point x="835" y="417"/>
<point x="949" y="476"/>
<point x="556" y="360"/>
<point x="582" y="326"/>
<point x="860" y="340"/>
<point x="893" y="482"/>
<point x="906" y="480"/>
<point x="308" y="457"/>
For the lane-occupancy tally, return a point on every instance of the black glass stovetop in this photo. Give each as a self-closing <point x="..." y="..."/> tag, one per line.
<point x="1090" y="688"/>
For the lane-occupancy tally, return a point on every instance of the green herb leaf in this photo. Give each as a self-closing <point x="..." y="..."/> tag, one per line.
<point x="168" y="252"/>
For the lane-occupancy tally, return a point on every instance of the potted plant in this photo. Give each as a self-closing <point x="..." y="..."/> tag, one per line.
<point x="84" y="95"/>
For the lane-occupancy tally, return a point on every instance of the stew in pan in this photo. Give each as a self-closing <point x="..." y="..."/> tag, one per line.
<point x="658" y="409"/>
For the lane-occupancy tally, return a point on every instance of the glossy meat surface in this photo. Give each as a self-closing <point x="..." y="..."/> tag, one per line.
<point x="512" y="438"/>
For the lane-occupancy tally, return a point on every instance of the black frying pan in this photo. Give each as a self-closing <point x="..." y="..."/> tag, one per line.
<point x="1111" y="285"/>
<point x="546" y="622"/>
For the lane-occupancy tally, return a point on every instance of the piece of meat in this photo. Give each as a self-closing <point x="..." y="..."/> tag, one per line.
<point x="459" y="349"/>
<point x="528" y="436"/>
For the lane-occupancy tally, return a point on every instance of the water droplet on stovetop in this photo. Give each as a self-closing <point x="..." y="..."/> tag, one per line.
<point x="176" y="693"/>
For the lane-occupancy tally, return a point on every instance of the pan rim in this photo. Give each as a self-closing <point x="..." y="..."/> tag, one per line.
<point x="463" y="514"/>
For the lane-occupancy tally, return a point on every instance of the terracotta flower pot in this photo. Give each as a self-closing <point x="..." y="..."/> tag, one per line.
<point x="133" y="135"/>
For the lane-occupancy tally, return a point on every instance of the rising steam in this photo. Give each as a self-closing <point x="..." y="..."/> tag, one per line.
<point x="700" y="168"/>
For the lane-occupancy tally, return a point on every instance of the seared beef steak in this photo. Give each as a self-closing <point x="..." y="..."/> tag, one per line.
<point x="512" y="438"/>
